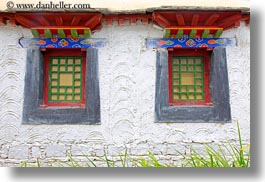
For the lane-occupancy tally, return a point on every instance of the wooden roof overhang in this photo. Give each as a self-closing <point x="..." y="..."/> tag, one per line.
<point x="195" y="29"/>
<point x="221" y="19"/>
<point x="93" y="20"/>
<point x="175" y="23"/>
<point x="46" y="19"/>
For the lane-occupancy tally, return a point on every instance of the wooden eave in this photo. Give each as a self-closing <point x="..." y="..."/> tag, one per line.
<point x="93" y="20"/>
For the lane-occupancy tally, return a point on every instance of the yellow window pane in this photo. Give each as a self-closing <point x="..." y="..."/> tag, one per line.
<point x="198" y="61"/>
<point x="198" y="68"/>
<point x="77" y="61"/>
<point x="175" y="97"/>
<point x="54" y="97"/>
<point x="66" y="79"/>
<point x="69" y="90"/>
<point x="77" y="90"/>
<point x="175" y="82"/>
<point x="54" y="76"/>
<point x="175" y="68"/>
<point x="69" y="97"/>
<point x="55" y="68"/>
<point x="77" y="83"/>
<point x="77" y="68"/>
<point x="199" y="96"/>
<point x="199" y="82"/>
<point x="54" y="90"/>
<point x="183" y="97"/>
<point x="62" y="90"/>
<point x="190" y="68"/>
<point x="55" y="61"/>
<point x="183" y="68"/>
<point x="54" y="83"/>
<point x="62" y="68"/>
<point x="191" y="96"/>
<point x="198" y="89"/>
<point x="187" y="78"/>
<point x="191" y="89"/>
<point x="176" y="61"/>
<point x="199" y="75"/>
<point x="70" y="61"/>
<point x="190" y="61"/>
<point x="176" y="89"/>
<point x="77" y="97"/>
<point x="70" y="68"/>
<point x="176" y="75"/>
<point x="183" y="89"/>
<point x="61" y="97"/>
<point x="78" y="75"/>
<point x="183" y="61"/>
<point x="62" y="61"/>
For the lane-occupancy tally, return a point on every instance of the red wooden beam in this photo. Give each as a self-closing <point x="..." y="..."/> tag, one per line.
<point x="121" y="22"/>
<point x="31" y="19"/>
<point x="195" y="19"/>
<point x="2" y="22"/>
<point x="97" y="28"/>
<point x="4" y="17"/>
<point x="25" y="21"/>
<point x="224" y="19"/>
<point x="109" y="22"/>
<point x="246" y="18"/>
<point x="75" y="21"/>
<point x="180" y="19"/>
<point x="210" y="21"/>
<point x="133" y="21"/>
<point x="230" y="20"/>
<point x="92" y="22"/>
<point x="145" y="20"/>
<point x="221" y="19"/>
<point x="43" y="21"/>
<point x="161" y="20"/>
<point x="232" y="25"/>
<point x="121" y="18"/>
<point x="59" y="20"/>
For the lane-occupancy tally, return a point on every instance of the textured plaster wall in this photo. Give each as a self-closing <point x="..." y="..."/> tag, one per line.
<point x="127" y="88"/>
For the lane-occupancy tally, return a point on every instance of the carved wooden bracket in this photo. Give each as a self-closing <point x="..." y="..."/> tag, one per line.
<point x="221" y="19"/>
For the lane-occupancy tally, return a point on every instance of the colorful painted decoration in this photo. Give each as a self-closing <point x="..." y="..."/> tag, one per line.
<point x="189" y="42"/>
<point x="61" y="32"/>
<point x="62" y="42"/>
<point x="192" y="32"/>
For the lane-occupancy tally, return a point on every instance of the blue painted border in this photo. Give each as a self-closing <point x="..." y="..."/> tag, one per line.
<point x="62" y="42"/>
<point x="186" y="42"/>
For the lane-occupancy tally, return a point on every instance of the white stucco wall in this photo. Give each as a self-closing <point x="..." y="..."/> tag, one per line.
<point x="127" y="90"/>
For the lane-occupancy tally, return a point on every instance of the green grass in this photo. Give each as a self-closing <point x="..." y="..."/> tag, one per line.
<point x="225" y="155"/>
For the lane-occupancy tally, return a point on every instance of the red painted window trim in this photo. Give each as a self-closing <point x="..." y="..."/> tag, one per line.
<point x="191" y="52"/>
<point x="47" y="53"/>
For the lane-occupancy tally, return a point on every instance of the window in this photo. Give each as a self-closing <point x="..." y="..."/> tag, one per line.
<point x="61" y="87"/>
<point x="192" y="86"/>
<point x="189" y="77"/>
<point x="64" y="79"/>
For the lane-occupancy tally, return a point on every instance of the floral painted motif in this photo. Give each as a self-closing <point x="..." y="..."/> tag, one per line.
<point x="62" y="42"/>
<point x="189" y="42"/>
